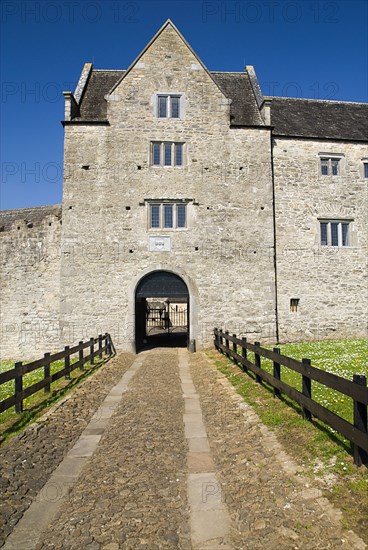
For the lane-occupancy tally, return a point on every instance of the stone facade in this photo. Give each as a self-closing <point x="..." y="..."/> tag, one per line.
<point x="29" y="281"/>
<point x="330" y="281"/>
<point x="244" y="187"/>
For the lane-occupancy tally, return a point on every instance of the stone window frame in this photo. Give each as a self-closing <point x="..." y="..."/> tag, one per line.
<point x="333" y="159"/>
<point x="161" y="205"/>
<point x="155" y="101"/>
<point x="328" y="236"/>
<point x="174" y="148"/>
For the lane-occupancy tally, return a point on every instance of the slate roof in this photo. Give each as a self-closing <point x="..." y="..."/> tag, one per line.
<point x="93" y="105"/>
<point x="289" y="116"/>
<point x="236" y="86"/>
<point x="243" y="108"/>
<point x="33" y="215"/>
<point x="319" y="119"/>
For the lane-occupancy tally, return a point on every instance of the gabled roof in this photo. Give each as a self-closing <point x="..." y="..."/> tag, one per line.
<point x="235" y="86"/>
<point x="166" y="25"/>
<point x="323" y="119"/>
<point x="306" y="118"/>
<point x="33" y="215"/>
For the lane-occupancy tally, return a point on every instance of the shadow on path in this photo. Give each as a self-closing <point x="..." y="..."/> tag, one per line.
<point x="172" y="340"/>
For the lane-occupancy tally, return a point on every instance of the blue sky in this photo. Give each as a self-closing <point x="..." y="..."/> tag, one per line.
<point x="299" y="48"/>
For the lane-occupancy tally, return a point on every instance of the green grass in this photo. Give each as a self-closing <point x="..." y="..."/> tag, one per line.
<point x="322" y="452"/>
<point x="7" y="389"/>
<point x="342" y="357"/>
<point x="36" y="404"/>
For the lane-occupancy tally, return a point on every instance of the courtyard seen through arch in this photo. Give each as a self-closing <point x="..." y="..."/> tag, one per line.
<point x="161" y="311"/>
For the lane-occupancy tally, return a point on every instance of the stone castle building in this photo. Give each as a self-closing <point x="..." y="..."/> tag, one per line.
<point x="189" y="186"/>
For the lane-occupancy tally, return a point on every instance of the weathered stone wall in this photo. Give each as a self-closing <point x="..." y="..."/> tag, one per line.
<point x="30" y="288"/>
<point x="225" y="254"/>
<point x="331" y="282"/>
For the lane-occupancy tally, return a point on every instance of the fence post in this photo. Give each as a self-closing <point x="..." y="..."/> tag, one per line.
<point x="257" y="362"/>
<point x="227" y="352"/>
<point x="244" y="352"/>
<point x="276" y="373"/>
<point x="81" y="356"/>
<point x="235" y="351"/>
<point x="91" y="350"/>
<point x="215" y="332"/>
<point x="360" y="422"/>
<point x="220" y="341"/>
<point x="46" y="371"/>
<point x="100" y="346"/>
<point x="306" y="389"/>
<point x="18" y="386"/>
<point x="107" y="343"/>
<point x="67" y="363"/>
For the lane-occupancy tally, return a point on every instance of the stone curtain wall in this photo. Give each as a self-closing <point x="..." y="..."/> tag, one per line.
<point x="331" y="282"/>
<point x="29" y="288"/>
<point x="225" y="255"/>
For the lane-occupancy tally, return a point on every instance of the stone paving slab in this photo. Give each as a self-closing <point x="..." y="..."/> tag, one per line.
<point x="179" y="464"/>
<point x="271" y="505"/>
<point x="209" y="517"/>
<point x="29" y="458"/>
<point x="48" y="501"/>
<point x="200" y="462"/>
<point x="132" y="492"/>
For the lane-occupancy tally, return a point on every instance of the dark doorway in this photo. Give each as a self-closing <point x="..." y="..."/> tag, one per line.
<point x="161" y="311"/>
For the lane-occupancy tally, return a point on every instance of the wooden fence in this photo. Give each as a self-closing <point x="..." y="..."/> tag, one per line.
<point x="97" y="346"/>
<point x="357" y="389"/>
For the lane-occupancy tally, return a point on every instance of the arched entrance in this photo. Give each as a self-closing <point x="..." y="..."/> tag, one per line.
<point x="161" y="311"/>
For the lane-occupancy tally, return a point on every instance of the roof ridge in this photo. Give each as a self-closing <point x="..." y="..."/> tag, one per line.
<point x="229" y="72"/>
<point x="317" y="100"/>
<point x="108" y="70"/>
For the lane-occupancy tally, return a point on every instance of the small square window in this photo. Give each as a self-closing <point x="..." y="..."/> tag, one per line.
<point x="168" y="106"/>
<point x="334" y="233"/>
<point x="167" y="153"/>
<point x="330" y="166"/>
<point x="294" y="302"/>
<point x="167" y="215"/>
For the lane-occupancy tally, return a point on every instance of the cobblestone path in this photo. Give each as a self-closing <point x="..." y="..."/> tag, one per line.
<point x="184" y="464"/>
<point x="270" y="504"/>
<point x="29" y="458"/>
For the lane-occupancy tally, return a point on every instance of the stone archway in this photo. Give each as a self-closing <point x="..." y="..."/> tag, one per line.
<point x="162" y="311"/>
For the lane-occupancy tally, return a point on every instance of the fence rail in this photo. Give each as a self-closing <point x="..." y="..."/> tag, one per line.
<point x="97" y="346"/>
<point x="357" y="390"/>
